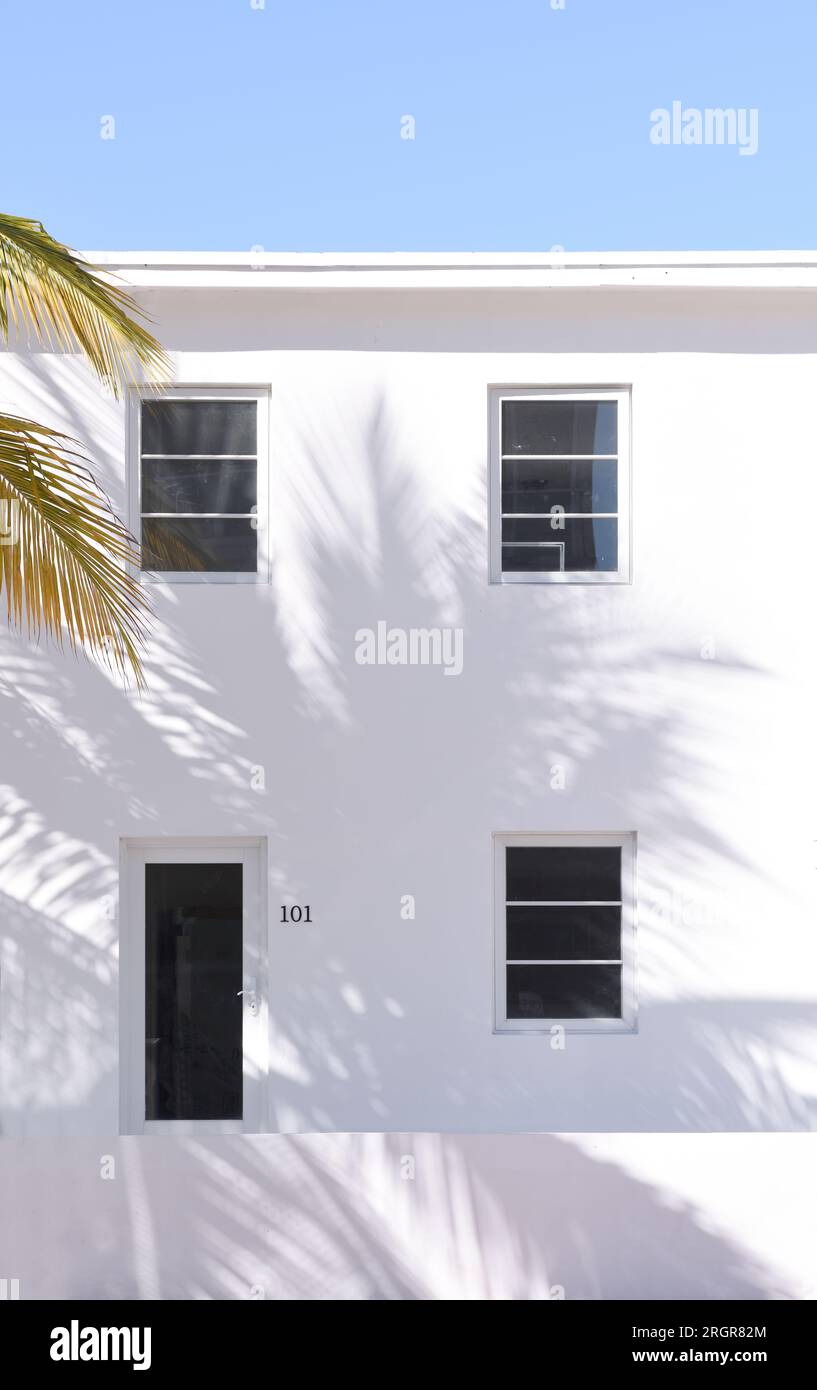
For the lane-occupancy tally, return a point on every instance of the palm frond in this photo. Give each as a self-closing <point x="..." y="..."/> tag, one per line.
<point x="49" y="294"/>
<point x="65" y="556"/>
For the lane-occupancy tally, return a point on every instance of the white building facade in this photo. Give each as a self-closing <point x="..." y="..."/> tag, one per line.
<point x="472" y="789"/>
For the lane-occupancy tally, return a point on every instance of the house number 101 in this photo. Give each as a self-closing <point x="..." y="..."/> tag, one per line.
<point x="296" y="914"/>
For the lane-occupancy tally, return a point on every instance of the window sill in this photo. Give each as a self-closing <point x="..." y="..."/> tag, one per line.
<point x="563" y="577"/>
<point x="200" y="577"/>
<point x="600" y="1027"/>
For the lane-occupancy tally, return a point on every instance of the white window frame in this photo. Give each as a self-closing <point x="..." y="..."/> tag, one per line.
<point x="134" y="855"/>
<point x="260" y="394"/>
<point x="627" y="1023"/>
<point x="622" y="395"/>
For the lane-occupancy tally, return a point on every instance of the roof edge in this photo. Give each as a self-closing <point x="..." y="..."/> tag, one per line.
<point x="440" y="260"/>
<point x="554" y="269"/>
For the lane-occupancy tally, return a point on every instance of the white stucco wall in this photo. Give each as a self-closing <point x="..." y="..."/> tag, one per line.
<point x="412" y="1216"/>
<point x="387" y="781"/>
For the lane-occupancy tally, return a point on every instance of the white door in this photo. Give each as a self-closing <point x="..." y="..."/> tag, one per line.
<point x="192" y="964"/>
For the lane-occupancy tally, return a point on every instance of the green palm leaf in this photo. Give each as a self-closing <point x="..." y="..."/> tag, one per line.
<point x="64" y="555"/>
<point x="49" y="294"/>
<point x="65" y="559"/>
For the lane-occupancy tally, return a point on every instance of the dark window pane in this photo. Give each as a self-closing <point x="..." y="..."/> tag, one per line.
<point x="211" y="544"/>
<point x="564" y="933"/>
<point x="537" y="485"/>
<point x="199" y="427"/>
<point x="577" y="543"/>
<point x="193" y="999"/>
<point x="199" y="485"/>
<point x="559" y="427"/>
<point x="569" y="873"/>
<point x="564" y="991"/>
<point x="551" y="530"/>
<point x="517" y="559"/>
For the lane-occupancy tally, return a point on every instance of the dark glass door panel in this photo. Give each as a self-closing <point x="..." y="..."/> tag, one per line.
<point x="193" y="992"/>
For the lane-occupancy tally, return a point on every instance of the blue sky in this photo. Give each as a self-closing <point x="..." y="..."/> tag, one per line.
<point x="281" y="126"/>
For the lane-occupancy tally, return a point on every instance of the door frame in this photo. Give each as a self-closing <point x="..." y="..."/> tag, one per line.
<point x="134" y="853"/>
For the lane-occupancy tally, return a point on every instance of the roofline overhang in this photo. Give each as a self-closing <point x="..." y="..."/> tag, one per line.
<point x="553" y="270"/>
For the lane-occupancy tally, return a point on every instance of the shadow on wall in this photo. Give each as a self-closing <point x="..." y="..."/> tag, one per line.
<point x="370" y="1216"/>
<point x="564" y="321"/>
<point x="363" y="1004"/>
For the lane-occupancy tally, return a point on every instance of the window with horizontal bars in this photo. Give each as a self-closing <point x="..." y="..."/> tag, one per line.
<point x="199" y="485"/>
<point x="564" y="931"/>
<point x="560" y="480"/>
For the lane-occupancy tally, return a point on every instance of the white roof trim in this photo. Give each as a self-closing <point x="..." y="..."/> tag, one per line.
<point x="471" y="270"/>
